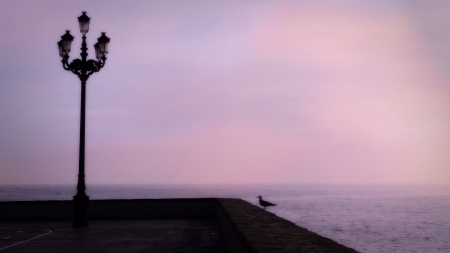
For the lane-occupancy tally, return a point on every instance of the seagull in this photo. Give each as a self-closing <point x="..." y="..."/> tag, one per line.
<point x="264" y="203"/>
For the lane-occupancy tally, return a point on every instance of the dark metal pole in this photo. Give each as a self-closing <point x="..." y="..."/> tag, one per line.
<point x="81" y="199"/>
<point x="83" y="68"/>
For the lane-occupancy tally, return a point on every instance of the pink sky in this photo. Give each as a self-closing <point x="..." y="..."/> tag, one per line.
<point x="235" y="92"/>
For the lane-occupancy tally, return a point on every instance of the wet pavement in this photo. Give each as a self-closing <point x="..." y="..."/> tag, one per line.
<point x="187" y="235"/>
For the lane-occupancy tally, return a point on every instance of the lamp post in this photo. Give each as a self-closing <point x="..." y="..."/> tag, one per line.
<point x="83" y="68"/>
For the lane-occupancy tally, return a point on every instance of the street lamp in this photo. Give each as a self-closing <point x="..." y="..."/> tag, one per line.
<point x="83" y="68"/>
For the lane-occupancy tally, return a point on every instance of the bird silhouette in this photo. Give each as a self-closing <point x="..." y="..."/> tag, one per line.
<point x="264" y="203"/>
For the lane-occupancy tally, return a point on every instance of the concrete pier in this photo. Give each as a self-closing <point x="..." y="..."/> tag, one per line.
<point x="155" y="225"/>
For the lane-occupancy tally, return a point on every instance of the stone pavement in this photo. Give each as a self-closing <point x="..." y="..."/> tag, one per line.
<point x="186" y="235"/>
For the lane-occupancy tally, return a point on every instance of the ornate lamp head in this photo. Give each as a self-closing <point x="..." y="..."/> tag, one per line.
<point x="66" y="40"/>
<point x="60" y="49"/>
<point x="84" y="23"/>
<point x="98" y="54"/>
<point x="103" y="43"/>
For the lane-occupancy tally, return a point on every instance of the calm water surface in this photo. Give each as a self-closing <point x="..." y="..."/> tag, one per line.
<point x="366" y="218"/>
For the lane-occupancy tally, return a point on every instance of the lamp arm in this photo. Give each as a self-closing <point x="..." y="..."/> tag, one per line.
<point x="74" y="66"/>
<point x="95" y="66"/>
<point x="65" y="62"/>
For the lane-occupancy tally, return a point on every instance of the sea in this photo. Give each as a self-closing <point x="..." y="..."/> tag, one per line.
<point x="372" y="219"/>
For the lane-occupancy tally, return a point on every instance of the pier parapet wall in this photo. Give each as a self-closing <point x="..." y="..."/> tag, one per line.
<point x="243" y="226"/>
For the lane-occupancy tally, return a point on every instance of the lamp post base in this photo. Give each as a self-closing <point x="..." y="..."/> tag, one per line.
<point x="80" y="211"/>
